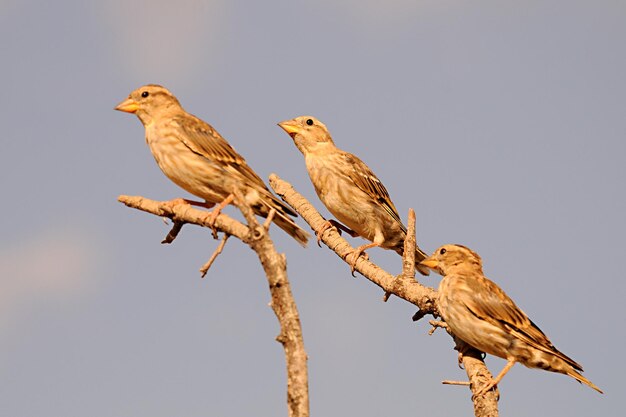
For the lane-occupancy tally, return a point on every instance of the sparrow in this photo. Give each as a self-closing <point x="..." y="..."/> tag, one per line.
<point x="192" y="154"/>
<point x="349" y="190"/>
<point x="481" y="314"/>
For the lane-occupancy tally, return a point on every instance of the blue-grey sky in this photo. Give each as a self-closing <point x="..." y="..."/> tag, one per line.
<point x="501" y="123"/>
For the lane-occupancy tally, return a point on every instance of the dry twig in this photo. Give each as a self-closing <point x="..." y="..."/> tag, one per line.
<point x="218" y="250"/>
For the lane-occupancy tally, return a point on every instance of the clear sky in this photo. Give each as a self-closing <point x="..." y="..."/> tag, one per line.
<point x="502" y="123"/>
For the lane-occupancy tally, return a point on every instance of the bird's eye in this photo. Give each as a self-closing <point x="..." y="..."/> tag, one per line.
<point x="309" y="122"/>
<point x="442" y="251"/>
<point x="145" y="94"/>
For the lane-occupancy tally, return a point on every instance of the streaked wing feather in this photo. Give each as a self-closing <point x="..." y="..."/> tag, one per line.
<point x="201" y="138"/>
<point x="489" y="302"/>
<point x="363" y="177"/>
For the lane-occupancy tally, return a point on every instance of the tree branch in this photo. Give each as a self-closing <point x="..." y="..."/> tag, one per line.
<point x="403" y="286"/>
<point x="275" y="266"/>
<point x="185" y="213"/>
<point x="284" y="306"/>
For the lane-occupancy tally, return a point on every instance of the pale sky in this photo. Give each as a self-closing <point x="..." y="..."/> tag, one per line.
<point x="502" y="123"/>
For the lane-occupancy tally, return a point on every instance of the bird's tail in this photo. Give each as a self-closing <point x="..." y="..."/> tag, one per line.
<point x="578" y="377"/>
<point x="282" y="217"/>
<point x="288" y="225"/>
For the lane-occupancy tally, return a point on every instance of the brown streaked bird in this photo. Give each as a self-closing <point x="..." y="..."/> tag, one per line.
<point x="196" y="158"/>
<point x="482" y="315"/>
<point x="349" y="189"/>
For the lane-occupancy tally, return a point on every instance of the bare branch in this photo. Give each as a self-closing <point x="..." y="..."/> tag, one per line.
<point x="404" y="286"/>
<point x="401" y="286"/>
<point x="187" y="214"/>
<point x="408" y="258"/>
<point x="478" y="374"/>
<point x="284" y="306"/>
<point x="448" y="382"/>
<point x="437" y="324"/>
<point x="275" y="267"/>
<point x="268" y="220"/>
<point x="205" y="268"/>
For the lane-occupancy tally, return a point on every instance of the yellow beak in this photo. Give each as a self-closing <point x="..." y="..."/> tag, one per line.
<point x="430" y="263"/>
<point x="290" y="126"/>
<point x="129" y="106"/>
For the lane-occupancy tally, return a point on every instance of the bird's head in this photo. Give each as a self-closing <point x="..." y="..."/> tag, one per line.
<point x="148" y="102"/>
<point x="308" y="133"/>
<point x="453" y="258"/>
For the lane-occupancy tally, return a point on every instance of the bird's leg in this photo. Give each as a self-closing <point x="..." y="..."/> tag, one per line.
<point x="494" y="381"/>
<point x="177" y="201"/>
<point x="357" y="252"/>
<point x="460" y="347"/>
<point x="341" y="227"/>
<point x="333" y="223"/>
<point x="216" y="212"/>
<point x="204" y="204"/>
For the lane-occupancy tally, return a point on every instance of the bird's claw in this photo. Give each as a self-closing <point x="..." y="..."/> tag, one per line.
<point x="355" y="257"/>
<point x="327" y="225"/>
<point x="491" y="384"/>
<point x="212" y="218"/>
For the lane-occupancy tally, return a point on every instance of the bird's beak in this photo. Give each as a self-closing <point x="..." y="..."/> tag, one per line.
<point x="129" y="106"/>
<point x="430" y="263"/>
<point x="291" y="127"/>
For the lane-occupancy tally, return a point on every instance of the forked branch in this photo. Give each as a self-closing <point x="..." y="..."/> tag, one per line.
<point x="275" y="267"/>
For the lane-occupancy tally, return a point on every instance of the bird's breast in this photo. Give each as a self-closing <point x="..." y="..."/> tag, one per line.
<point x="190" y="171"/>
<point x="454" y="301"/>
<point x="347" y="202"/>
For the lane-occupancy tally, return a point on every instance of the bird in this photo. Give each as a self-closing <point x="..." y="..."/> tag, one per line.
<point x="349" y="190"/>
<point x="193" y="155"/>
<point x="481" y="314"/>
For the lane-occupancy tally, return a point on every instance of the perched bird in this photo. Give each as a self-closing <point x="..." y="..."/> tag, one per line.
<point x="196" y="158"/>
<point x="349" y="189"/>
<point x="482" y="315"/>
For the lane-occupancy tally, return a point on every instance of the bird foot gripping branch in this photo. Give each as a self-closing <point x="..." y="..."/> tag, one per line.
<point x="338" y="228"/>
<point x="357" y="253"/>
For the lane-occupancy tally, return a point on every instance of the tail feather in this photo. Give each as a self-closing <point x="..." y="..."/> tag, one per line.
<point x="282" y="219"/>
<point x="291" y="228"/>
<point x="578" y="377"/>
<point x="419" y="257"/>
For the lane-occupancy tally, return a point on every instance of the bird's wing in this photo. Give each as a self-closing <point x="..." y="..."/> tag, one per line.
<point x="489" y="302"/>
<point x="363" y="177"/>
<point x="201" y="138"/>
